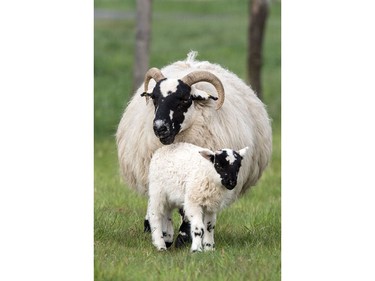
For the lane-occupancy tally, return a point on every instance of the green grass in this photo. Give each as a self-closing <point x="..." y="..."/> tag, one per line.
<point x="248" y="233"/>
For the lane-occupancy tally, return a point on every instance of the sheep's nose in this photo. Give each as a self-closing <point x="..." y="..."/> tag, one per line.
<point x="230" y="184"/>
<point x="161" y="128"/>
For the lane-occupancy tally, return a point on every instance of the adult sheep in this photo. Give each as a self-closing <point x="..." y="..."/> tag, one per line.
<point x="184" y="109"/>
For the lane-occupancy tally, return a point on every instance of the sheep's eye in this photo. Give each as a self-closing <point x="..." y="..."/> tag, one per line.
<point x="182" y="103"/>
<point x="154" y="99"/>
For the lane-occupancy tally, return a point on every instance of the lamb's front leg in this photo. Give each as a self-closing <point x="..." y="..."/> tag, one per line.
<point x="195" y="216"/>
<point x="208" y="238"/>
<point x="168" y="228"/>
<point x="156" y="217"/>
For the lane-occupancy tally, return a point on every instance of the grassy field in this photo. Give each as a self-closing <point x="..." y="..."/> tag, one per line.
<point x="248" y="233"/>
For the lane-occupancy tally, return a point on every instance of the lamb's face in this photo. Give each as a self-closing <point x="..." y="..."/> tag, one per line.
<point x="227" y="163"/>
<point x="172" y="101"/>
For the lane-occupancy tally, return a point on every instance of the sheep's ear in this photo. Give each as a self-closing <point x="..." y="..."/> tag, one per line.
<point x="243" y="151"/>
<point x="201" y="95"/>
<point x="208" y="154"/>
<point x="147" y="95"/>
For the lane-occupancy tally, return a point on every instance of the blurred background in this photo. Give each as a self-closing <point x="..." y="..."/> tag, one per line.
<point x="218" y="30"/>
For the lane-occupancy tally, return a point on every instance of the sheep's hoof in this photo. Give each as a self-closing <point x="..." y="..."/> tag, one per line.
<point x="147" y="227"/>
<point x="182" y="241"/>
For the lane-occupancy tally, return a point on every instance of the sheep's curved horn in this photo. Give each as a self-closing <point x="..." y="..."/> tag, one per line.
<point x="155" y="74"/>
<point x="205" y="76"/>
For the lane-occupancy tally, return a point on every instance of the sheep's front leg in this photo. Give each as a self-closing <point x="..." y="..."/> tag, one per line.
<point x="208" y="238"/>
<point x="184" y="235"/>
<point x="146" y="225"/>
<point x="146" y="222"/>
<point x="195" y="216"/>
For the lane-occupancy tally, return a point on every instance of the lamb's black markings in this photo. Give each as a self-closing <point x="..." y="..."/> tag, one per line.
<point x="184" y="236"/>
<point x="165" y="234"/>
<point x="209" y="245"/>
<point x="210" y="227"/>
<point x="198" y="233"/>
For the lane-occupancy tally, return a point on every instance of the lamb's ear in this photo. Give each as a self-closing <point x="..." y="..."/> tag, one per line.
<point x="208" y="154"/>
<point x="243" y="151"/>
<point x="201" y="95"/>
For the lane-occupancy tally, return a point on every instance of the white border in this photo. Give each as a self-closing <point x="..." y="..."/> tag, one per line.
<point x="328" y="140"/>
<point x="46" y="150"/>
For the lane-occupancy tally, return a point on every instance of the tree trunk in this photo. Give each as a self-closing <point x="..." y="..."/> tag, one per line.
<point x="142" y="41"/>
<point x="258" y="12"/>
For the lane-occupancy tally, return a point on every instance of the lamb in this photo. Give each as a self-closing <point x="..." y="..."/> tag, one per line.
<point x="197" y="179"/>
<point x="184" y="108"/>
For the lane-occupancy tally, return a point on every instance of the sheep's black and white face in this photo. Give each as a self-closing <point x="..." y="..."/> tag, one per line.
<point x="227" y="163"/>
<point x="172" y="101"/>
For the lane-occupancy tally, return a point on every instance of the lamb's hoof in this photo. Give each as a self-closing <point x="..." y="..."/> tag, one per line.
<point x="182" y="241"/>
<point x="196" y="251"/>
<point x="147" y="227"/>
<point x="168" y="244"/>
<point x="162" y="249"/>
<point x="209" y="247"/>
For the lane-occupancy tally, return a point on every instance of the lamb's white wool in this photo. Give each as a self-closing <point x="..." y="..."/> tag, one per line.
<point x="184" y="175"/>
